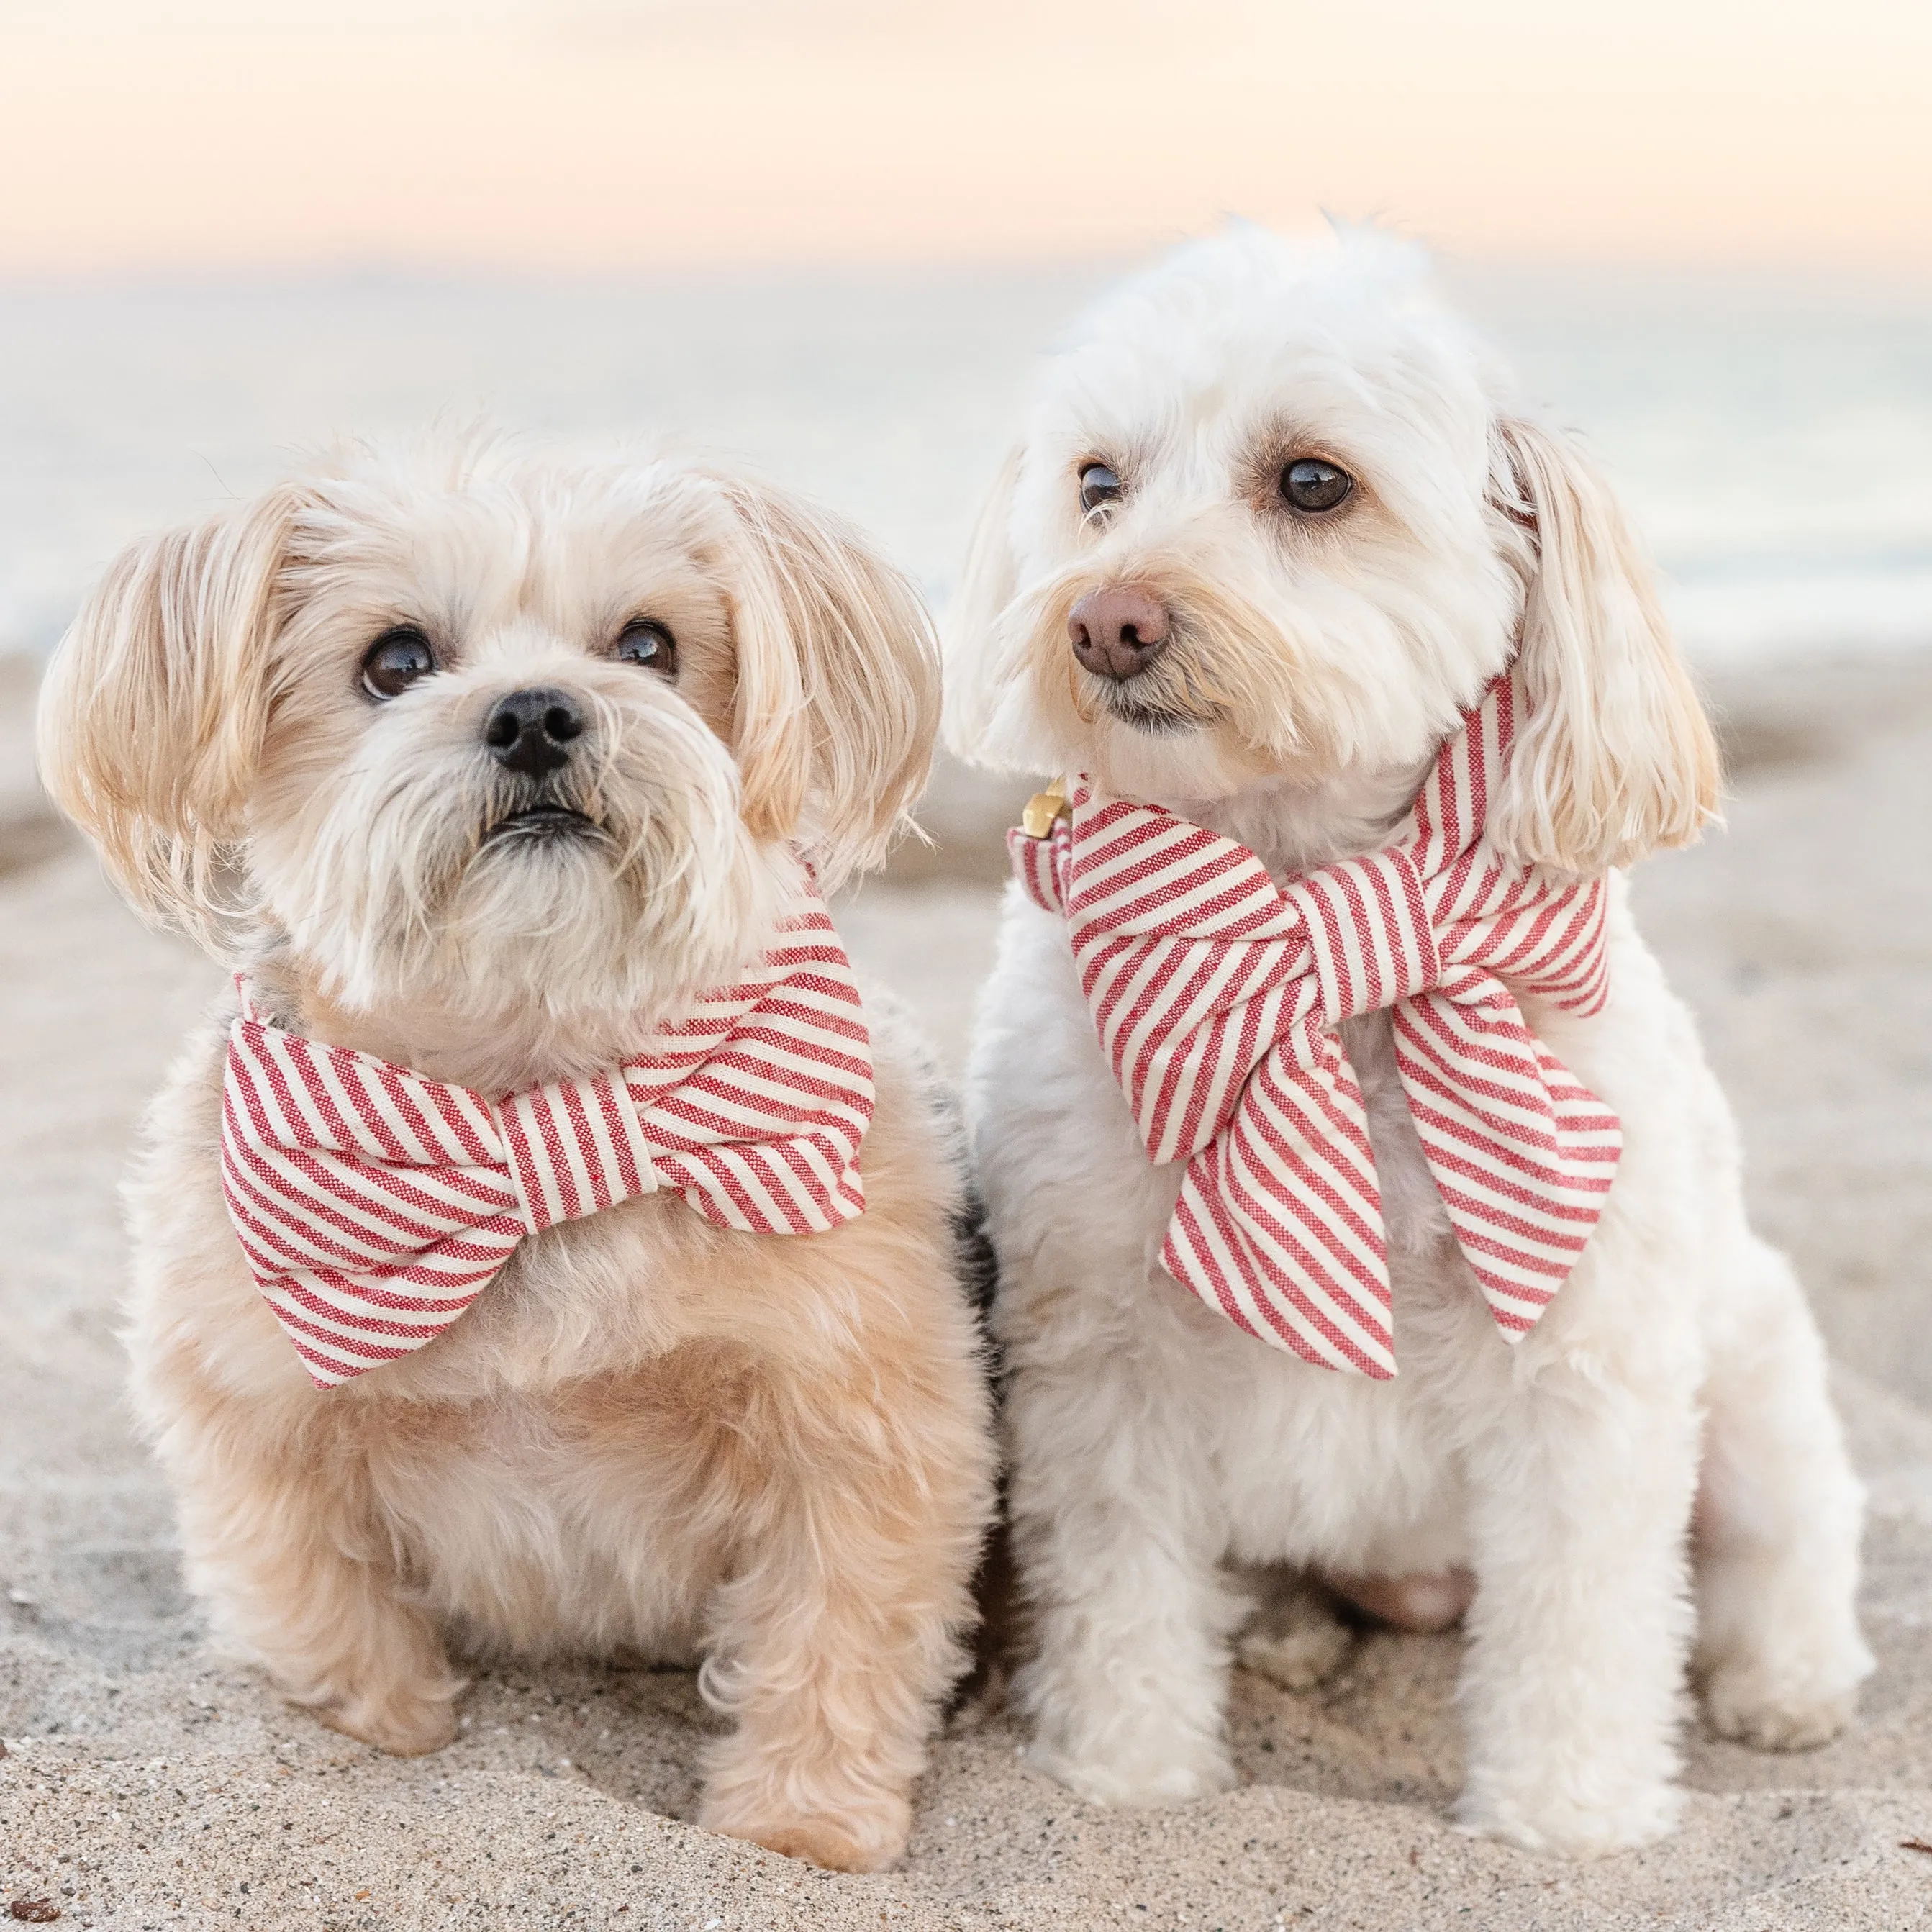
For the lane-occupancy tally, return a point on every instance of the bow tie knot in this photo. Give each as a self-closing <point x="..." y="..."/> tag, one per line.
<point x="573" y="1148"/>
<point x="1370" y="933"/>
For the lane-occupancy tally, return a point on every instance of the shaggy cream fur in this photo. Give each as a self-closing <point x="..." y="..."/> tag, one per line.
<point x="1313" y="663"/>
<point x="649" y="1435"/>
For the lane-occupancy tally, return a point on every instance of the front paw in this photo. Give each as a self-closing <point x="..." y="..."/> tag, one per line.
<point x="1564" y="1826"/>
<point x="1139" y="1778"/>
<point x="1755" y="1708"/>
<point x="867" y="1840"/>
<point x="406" y="1723"/>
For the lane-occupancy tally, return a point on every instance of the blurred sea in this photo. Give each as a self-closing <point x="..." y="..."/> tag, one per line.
<point x="1775" y="440"/>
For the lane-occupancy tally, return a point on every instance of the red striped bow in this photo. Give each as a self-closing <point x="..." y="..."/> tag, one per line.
<point x="374" y="1205"/>
<point x="1216" y="995"/>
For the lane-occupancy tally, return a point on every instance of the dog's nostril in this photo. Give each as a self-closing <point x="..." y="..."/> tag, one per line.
<point x="1118" y="632"/>
<point x="530" y="731"/>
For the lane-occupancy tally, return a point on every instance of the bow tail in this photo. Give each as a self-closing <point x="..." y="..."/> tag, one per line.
<point x="1279" y="1223"/>
<point x="341" y="1328"/>
<point x="1522" y="1152"/>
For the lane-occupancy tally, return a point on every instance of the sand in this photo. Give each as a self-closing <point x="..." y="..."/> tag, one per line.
<point x="147" y="1785"/>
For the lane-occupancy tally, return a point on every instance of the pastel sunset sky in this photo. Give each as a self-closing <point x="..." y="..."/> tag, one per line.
<point x="600" y="135"/>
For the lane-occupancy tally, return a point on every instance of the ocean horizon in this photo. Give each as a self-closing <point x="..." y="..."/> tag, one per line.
<point x="1772" y="435"/>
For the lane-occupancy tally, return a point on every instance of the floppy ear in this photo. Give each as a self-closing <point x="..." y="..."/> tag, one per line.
<point x="153" y="710"/>
<point x="988" y="581"/>
<point x="837" y="696"/>
<point x="1616" y="758"/>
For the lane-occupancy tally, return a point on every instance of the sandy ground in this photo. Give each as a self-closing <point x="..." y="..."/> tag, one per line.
<point x="146" y="1785"/>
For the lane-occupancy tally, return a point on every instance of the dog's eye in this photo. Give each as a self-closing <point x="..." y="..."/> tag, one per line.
<point x="397" y="659"/>
<point x="646" y="643"/>
<point x="1098" y="485"/>
<point x="1311" y="485"/>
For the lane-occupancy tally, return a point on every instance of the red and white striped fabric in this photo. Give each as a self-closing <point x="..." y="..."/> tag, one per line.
<point x="1216" y="995"/>
<point x="374" y="1205"/>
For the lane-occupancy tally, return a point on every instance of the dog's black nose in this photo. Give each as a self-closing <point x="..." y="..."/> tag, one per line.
<point x="530" y="731"/>
<point x="1118" y="632"/>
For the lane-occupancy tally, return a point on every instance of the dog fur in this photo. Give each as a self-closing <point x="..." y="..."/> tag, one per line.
<point x="649" y="1435"/>
<point x="1315" y="665"/>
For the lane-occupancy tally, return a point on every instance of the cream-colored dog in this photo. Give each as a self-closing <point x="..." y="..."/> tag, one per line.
<point x="286" y="729"/>
<point x="1275" y="521"/>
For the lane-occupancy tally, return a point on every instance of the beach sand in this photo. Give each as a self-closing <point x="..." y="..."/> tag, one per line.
<point x="146" y="1784"/>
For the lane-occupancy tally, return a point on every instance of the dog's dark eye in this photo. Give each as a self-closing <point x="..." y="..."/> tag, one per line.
<point x="646" y="643"/>
<point x="397" y="659"/>
<point x="1098" y="485"/>
<point x="1311" y="485"/>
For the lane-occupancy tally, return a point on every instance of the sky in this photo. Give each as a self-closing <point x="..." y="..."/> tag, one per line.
<point x="599" y="135"/>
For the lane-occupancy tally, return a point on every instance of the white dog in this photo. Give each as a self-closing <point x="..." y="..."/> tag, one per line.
<point x="494" y="773"/>
<point x="1274" y="526"/>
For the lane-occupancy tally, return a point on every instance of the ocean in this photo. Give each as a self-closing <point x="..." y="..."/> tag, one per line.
<point x="1774" y="439"/>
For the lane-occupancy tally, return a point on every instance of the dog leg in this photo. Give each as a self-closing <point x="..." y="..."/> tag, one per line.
<point x="301" y="1580"/>
<point x="1572" y="1692"/>
<point x="1119" y="1547"/>
<point x="836" y="1642"/>
<point x="1779" y="1513"/>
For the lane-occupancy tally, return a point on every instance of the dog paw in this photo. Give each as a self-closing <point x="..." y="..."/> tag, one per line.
<point x="1568" y="1828"/>
<point x="1298" y="1656"/>
<point x="404" y="1723"/>
<point x="867" y="1842"/>
<point x="1149" y="1782"/>
<point x="1748" y="1705"/>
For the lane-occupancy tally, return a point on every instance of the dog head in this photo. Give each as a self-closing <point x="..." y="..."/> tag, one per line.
<point x="1273" y="523"/>
<point x="469" y="727"/>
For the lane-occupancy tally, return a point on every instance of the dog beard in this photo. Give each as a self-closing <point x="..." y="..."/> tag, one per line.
<point x="620" y="883"/>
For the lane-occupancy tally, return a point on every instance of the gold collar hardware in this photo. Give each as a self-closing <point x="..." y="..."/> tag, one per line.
<point x="1045" y="809"/>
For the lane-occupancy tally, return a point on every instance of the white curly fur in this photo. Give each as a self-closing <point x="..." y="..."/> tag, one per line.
<point x="1316" y="663"/>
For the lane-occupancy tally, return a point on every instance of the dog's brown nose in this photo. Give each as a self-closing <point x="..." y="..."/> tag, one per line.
<point x="1119" y="631"/>
<point x="530" y="731"/>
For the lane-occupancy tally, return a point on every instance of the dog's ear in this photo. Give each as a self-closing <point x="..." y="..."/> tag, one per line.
<point x="154" y="708"/>
<point x="1616" y="758"/>
<point x="976" y="677"/>
<point x="837" y="704"/>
